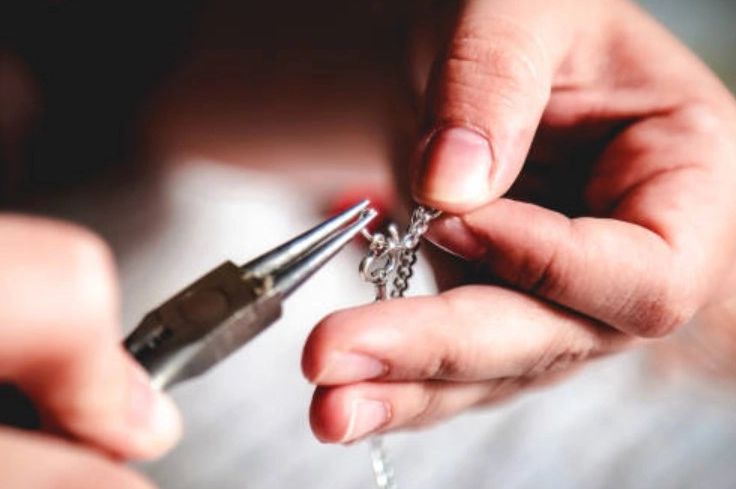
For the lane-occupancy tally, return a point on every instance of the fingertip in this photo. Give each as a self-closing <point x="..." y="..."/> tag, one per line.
<point x="310" y="368"/>
<point x="312" y="362"/>
<point x="154" y="422"/>
<point x="128" y="416"/>
<point x="327" y="415"/>
<point x="345" y="415"/>
<point x="450" y="233"/>
<point x="454" y="170"/>
<point x="165" y="431"/>
<point x="326" y="360"/>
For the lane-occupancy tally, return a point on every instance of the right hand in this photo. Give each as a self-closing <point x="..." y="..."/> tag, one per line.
<point x="621" y="223"/>
<point x="59" y="344"/>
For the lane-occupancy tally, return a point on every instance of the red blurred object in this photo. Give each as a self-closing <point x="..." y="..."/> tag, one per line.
<point x="381" y="200"/>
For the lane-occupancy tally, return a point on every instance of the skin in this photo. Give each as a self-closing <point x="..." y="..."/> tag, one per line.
<point x="613" y="140"/>
<point x="60" y="345"/>
<point x="584" y="160"/>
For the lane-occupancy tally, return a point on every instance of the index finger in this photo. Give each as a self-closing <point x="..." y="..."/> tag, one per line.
<point x="666" y="185"/>
<point x="473" y="333"/>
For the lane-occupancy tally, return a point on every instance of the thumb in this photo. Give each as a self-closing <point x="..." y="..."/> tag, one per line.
<point x="485" y="98"/>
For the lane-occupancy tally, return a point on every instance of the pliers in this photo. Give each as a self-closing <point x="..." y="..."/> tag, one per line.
<point x="223" y="310"/>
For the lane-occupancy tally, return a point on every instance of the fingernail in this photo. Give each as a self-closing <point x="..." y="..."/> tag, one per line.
<point x="153" y="416"/>
<point x="455" y="168"/>
<point x="343" y="367"/>
<point x="452" y="235"/>
<point x="366" y="416"/>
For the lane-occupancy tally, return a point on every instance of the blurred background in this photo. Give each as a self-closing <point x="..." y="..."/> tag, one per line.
<point x="191" y="132"/>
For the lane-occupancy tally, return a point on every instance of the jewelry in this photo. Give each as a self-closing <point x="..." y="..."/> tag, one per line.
<point x="392" y="256"/>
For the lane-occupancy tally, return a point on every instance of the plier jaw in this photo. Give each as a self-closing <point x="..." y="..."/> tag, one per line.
<point x="223" y="310"/>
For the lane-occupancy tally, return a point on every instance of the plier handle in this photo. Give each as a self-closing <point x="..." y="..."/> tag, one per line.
<point x="223" y="310"/>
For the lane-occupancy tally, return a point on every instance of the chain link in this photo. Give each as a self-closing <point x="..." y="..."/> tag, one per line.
<point x="392" y="255"/>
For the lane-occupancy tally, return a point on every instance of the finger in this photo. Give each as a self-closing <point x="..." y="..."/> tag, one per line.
<point x="486" y="96"/>
<point x="614" y="271"/>
<point x="34" y="461"/>
<point x="473" y="333"/>
<point x="347" y="413"/>
<point x="654" y="262"/>
<point x="59" y="342"/>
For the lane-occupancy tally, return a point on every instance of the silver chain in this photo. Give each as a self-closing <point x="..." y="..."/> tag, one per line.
<point x="392" y="256"/>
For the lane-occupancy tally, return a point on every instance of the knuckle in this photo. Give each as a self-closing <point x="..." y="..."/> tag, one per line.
<point x="90" y="276"/>
<point x="456" y="354"/>
<point x="63" y="266"/>
<point x="692" y="125"/>
<point x="86" y="250"/>
<point x="443" y="366"/>
<point x="543" y="272"/>
<point x="706" y="127"/>
<point x="539" y="276"/>
<point x="659" y="314"/>
<point x="557" y="362"/>
<point x="699" y="118"/>
<point x="429" y="406"/>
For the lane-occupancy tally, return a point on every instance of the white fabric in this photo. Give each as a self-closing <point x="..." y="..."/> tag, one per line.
<point x="616" y="425"/>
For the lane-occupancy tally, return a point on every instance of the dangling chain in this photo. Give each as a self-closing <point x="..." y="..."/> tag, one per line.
<point x="394" y="256"/>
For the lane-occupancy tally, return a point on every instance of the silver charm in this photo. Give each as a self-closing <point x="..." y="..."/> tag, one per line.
<point x="393" y="256"/>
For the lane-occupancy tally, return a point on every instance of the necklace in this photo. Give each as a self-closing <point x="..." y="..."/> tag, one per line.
<point x="392" y="256"/>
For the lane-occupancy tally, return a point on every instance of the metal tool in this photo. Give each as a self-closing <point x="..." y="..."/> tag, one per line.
<point x="227" y="307"/>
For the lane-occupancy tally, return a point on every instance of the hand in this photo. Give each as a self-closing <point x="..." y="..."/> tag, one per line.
<point x="59" y="344"/>
<point x="586" y="162"/>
